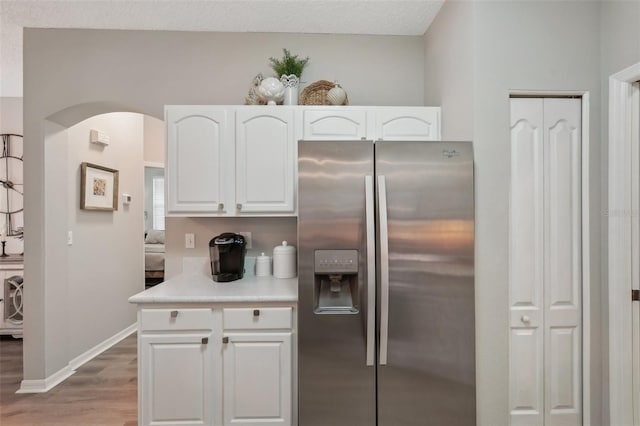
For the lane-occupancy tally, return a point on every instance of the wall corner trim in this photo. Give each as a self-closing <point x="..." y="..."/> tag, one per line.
<point x="45" y="385"/>
<point x="621" y="224"/>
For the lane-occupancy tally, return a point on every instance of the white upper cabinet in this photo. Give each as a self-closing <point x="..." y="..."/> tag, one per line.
<point x="407" y="124"/>
<point x="198" y="141"/>
<point x="265" y="160"/>
<point x="241" y="160"/>
<point x="334" y="123"/>
<point x="373" y="123"/>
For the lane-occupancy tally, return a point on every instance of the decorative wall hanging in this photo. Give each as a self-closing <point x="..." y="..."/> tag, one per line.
<point x="11" y="182"/>
<point x="98" y="187"/>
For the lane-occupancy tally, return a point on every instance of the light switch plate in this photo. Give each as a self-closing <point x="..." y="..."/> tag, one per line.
<point x="70" y="238"/>
<point x="189" y="241"/>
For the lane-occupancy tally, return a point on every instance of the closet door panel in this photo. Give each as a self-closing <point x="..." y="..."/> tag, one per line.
<point x="526" y="279"/>
<point x="563" y="278"/>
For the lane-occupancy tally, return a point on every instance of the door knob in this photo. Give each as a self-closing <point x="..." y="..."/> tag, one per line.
<point x="239" y="206"/>
<point x="220" y="206"/>
<point x="174" y="314"/>
<point x="525" y="319"/>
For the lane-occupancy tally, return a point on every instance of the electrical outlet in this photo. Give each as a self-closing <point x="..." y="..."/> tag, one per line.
<point x="189" y="241"/>
<point x="247" y="238"/>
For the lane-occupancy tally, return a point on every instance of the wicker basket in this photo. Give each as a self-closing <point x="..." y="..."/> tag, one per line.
<point x="316" y="93"/>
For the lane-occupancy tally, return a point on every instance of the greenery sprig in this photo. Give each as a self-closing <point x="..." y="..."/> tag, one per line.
<point x="289" y="64"/>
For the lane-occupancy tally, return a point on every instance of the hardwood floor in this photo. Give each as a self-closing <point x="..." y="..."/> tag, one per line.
<point x="103" y="392"/>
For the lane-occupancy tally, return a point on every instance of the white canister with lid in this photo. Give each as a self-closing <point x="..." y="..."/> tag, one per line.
<point x="284" y="261"/>
<point x="263" y="266"/>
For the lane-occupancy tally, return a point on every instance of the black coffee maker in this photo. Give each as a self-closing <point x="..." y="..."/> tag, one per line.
<point x="227" y="256"/>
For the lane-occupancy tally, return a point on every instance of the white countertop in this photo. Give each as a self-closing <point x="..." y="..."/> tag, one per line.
<point x="196" y="287"/>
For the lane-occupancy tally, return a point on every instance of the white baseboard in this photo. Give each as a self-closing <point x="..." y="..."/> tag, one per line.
<point x="82" y="359"/>
<point x="40" y="386"/>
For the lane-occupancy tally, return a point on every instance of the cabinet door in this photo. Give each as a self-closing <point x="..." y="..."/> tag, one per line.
<point x="257" y="383"/>
<point x="265" y="160"/>
<point x="176" y="379"/>
<point x="407" y="124"/>
<point x="334" y="124"/>
<point x="198" y="139"/>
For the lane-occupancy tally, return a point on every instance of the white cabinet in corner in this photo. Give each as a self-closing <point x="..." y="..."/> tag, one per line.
<point x="265" y="160"/>
<point x="199" y="146"/>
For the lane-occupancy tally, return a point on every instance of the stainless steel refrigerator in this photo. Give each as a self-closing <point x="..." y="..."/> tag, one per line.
<point x="386" y="283"/>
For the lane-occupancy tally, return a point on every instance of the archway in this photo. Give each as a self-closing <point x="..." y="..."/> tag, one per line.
<point x="51" y="265"/>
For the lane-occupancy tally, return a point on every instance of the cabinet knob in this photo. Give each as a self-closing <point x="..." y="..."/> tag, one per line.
<point x="525" y="319"/>
<point x="225" y="340"/>
<point x="205" y="340"/>
<point x="239" y="206"/>
<point x="256" y="312"/>
<point x="220" y="206"/>
<point x="174" y="314"/>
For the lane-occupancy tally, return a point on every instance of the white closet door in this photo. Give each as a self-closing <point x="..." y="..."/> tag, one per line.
<point x="563" y="278"/>
<point x="526" y="278"/>
<point x="545" y="263"/>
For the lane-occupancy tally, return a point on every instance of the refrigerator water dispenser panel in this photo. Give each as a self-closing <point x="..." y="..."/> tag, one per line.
<point x="336" y="282"/>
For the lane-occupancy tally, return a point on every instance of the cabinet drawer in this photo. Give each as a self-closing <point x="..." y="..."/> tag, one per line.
<point x="176" y="319"/>
<point x="256" y="318"/>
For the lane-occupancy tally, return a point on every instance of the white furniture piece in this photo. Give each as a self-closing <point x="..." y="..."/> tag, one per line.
<point x="11" y="295"/>
<point x="217" y="353"/>
<point x="545" y="252"/>
<point x="241" y="160"/>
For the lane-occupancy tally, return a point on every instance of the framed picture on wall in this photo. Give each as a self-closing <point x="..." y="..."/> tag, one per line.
<point x="98" y="187"/>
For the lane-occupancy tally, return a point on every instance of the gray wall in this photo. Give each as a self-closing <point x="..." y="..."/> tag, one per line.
<point x="534" y="46"/>
<point x="154" y="140"/>
<point x="105" y="262"/>
<point x="70" y="75"/>
<point x="10" y="115"/>
<point x="449" y="68"/>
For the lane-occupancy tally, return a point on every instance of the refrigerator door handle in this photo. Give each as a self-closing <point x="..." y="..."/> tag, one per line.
<point x="384" y="269"/>
<point x="371" y="268"/>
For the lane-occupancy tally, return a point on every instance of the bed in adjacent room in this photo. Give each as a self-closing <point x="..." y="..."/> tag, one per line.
<point x="154" y="257"/>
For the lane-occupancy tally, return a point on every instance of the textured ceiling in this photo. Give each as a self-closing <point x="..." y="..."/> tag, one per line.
<point x="385" y="17"/>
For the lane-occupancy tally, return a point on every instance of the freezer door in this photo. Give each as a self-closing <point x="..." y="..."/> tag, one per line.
<point x="336" y="386"/>
<point x="426" y="371"/>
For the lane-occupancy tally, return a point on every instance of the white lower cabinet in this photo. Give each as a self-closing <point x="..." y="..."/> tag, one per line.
<point x="216" y="366"/>
<point x="257" y="382"/>
<point x="177" y="378"/>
